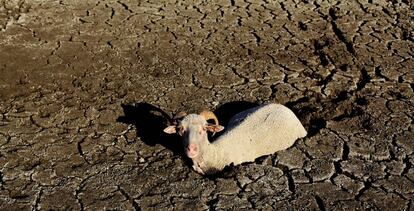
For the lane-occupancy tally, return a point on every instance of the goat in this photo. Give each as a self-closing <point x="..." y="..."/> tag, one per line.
<point x="253" y="133"/>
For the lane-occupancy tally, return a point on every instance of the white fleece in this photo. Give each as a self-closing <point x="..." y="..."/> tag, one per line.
<point x="253" y="133"/>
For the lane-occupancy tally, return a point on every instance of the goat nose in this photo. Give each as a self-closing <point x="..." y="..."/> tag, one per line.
<point x="192" y="147"/>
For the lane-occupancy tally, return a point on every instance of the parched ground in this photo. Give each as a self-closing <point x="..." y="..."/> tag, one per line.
<point x="84" y="84"/>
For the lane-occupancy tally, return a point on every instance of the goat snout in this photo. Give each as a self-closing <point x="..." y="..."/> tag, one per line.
<point x="192" y="150"/>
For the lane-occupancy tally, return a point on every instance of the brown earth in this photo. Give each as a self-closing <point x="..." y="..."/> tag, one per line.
<point x="84" y="84"/>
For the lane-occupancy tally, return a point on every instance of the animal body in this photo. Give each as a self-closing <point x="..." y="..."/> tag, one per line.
<point x="259" y="131"/>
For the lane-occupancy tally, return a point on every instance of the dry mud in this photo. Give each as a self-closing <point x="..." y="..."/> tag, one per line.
<point x="85" y="86"/>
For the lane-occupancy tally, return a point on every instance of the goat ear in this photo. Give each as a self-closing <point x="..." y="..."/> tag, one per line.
<point x="214" y="128"/>
<point x="170" y="129"/>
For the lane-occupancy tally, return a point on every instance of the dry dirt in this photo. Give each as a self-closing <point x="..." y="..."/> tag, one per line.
<point x="85" y="86"/>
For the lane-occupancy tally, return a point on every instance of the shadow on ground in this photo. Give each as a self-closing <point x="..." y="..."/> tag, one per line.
<point x="150" y="121"/>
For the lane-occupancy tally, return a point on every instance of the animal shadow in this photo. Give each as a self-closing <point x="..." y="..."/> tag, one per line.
<point x="150" y="122"/>
<point x="226" y="111"/>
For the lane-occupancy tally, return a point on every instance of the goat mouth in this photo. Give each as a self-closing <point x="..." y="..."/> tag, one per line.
<point x="191" y="154"/>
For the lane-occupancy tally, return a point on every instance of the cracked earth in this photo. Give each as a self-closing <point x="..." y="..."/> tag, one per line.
<point x="85" y="87"/>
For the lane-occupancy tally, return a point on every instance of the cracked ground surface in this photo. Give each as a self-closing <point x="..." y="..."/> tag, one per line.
<point x="72" y="73"/>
